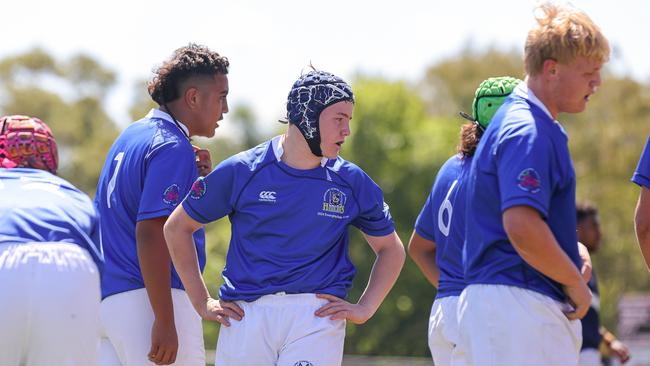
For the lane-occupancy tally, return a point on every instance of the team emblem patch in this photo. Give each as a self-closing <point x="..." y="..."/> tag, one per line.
<point x="303" y="363"/>
<point x="171" y="195"/>
<point x="529" y="181"/>
<point x="334" y="201"/>
<point x="198" y="189"/>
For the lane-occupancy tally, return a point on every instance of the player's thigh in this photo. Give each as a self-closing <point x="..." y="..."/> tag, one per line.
<point x="14" y="284"/>
<point x="316" y="341"/>
<point x="107" y="354"/>
<point x="189" y="327"/>
<point x="505" y="325"/>
<point x="443" y="330"/>
<point x="126" y="320"/>
<point x="589" y="357"/>
<point x="65" y="326"/>
<point x="250" y="341"/>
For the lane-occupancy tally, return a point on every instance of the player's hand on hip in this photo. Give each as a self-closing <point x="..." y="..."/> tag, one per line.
<point x="164" y="343"/>
<point x="221" y="311"/>
<point x="580" y="297"/>
<point x="339" y="309"/>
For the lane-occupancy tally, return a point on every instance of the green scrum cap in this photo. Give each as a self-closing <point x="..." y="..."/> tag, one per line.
<point x="489" y="96"/>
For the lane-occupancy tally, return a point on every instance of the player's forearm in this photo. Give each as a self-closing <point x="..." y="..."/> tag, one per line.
<point x="385" y="271"/>
<point x="535" y="243"/>
<point x="642" y="224"/>
<point x="423" y="253"/>
<point x="183" y="253"/>
<point x="155" y="265"/>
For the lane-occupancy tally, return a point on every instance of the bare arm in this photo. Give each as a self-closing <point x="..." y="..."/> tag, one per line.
<point x="642" y="224"/>
<point x="156" y="273"/>
<point x="423" y="253"/>
<point x="535" y="243"/>
<point x="390" y="259"/>
<point x="178" y="232"/>
<point x="587" y="267"/>
<point x="616" y="348"/>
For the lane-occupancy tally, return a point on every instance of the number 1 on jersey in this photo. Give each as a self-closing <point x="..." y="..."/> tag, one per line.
<point x="111" y="183"/>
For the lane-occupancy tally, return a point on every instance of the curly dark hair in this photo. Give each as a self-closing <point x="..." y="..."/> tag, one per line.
<point x="186" y="62"/>
<point x="470" y="135"/>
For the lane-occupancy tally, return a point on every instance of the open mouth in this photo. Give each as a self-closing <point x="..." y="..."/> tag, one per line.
<point x="340" y="143"/>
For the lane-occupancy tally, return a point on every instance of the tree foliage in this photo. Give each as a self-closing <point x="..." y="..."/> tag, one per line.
<point x="68" y="96"/>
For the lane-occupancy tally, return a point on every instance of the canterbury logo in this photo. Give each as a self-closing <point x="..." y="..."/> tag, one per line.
<point x="268" y="196"/>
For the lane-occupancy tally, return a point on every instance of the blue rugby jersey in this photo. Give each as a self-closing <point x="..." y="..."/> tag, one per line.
<point x="442" y="220"/>
<point x="522" y="159"/>
<point x="289" y="226"/>
<point x="37" y="206"/>
<point x="642" y="174"/>
<point x="148" y="170"/>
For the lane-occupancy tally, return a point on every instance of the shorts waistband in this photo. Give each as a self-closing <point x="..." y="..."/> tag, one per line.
<point x="282" y="298"/>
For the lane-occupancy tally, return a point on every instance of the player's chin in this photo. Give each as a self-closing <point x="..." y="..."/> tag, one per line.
<point x="331" y="153"/>
<point x="209" y="132"/>
<point x="577" y="107"/>
<point x="580" y="107"/>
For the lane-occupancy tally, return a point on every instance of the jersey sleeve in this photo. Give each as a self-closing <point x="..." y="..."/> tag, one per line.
<point x="374" y="214"/>
<point x="211" y="197"/>
<point x="424" y="224"/>
<point x="170" y="169"/>
<point x="526" y="171"/>
<point x="642" y="174"/>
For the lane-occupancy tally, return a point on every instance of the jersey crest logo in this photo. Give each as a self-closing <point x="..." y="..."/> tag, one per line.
<point x="267" y="196"/>
<point x="334" y="201"/>
<point x="171" y="195"/>
<point x="303" y="363"/>
<point x="529" y="181"/>
<point x="198" y="189"/>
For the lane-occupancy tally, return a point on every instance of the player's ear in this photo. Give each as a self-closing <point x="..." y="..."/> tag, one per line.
<point x="549" y="68"/>
<point x="191" y="97"/>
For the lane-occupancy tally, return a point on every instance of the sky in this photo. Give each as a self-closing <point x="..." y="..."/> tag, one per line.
<point x="269" y="42"/>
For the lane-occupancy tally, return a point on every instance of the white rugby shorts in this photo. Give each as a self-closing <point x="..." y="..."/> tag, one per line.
<point x="127" y="319"/>
<point x="281" y="330"/>
<point x="506" y="325"/>
<point x="590" y="357"/>
<point x="443" y="330"/>
<point x="49" y="305"/>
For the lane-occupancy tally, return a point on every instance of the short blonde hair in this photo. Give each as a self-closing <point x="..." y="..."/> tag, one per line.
<point x="562" y="33"/>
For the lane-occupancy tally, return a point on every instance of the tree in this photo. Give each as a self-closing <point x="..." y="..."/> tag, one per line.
<point x="401" y="148"/>
<point x="68" y="96"/>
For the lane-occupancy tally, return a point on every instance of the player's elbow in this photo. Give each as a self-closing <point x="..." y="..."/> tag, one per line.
<point x="400" y="253"/>
<point x="414" y="252"/>
<point x="420" y="248"/>
<point x="642" y="226"/>
<point x="394" y="249"/>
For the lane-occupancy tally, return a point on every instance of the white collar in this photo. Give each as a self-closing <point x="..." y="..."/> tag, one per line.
<point x="525" y="92"/>
<point x="278" y="150"/>
<point x="157" y="113"/>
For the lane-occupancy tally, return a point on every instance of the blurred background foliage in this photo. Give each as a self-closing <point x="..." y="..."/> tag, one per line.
<point x="402" y="133"/>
